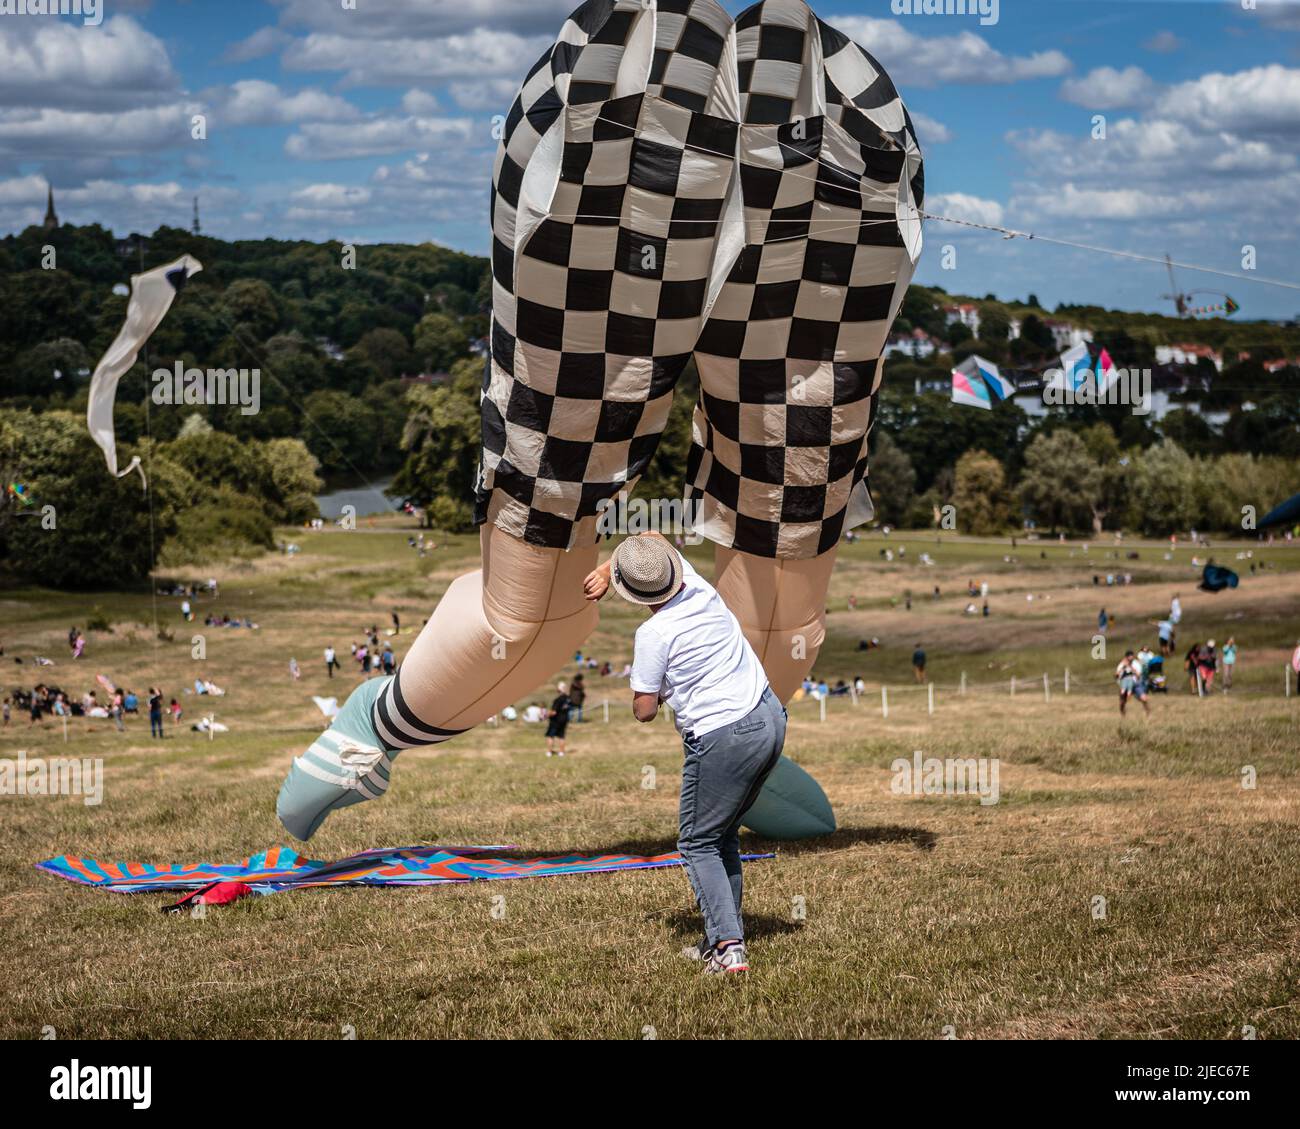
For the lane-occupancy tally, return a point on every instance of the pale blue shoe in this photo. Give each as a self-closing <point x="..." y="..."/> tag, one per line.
<point x="346" y="764"/>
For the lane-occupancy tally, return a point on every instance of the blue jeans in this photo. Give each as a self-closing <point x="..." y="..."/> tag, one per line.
<point x="721" y="778"/>
<point x="155" y="723"/>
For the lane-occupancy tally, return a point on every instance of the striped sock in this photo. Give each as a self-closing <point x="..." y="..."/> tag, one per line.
<point x="398" y="726"/>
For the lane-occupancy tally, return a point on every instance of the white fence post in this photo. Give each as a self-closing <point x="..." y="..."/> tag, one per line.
<point x="1286" y="682"/>
<point x="962" y="691"/>
<point x="1013" y="685"/>
<point x="931" y="689"/>
<point x="822" y="703"/>
<point x="1067" y="679"/>
<point x="884" y="701"/>
<point x="605" y="703"/>
<point x="1047" y="688"/>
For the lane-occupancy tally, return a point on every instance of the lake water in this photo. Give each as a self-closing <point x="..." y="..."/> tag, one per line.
<point x="367" y="500"/>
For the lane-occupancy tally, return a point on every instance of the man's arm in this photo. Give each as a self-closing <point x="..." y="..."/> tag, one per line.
<point x="645" y="707"/>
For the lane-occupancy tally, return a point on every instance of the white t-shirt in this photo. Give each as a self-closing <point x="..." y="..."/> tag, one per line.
<point x="693" y="652"/>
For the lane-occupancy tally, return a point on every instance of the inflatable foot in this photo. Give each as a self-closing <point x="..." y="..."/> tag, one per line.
<point x="346" y="764"/>
<point x="791" y="805"/>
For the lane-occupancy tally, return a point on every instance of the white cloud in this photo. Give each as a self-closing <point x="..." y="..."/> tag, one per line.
<point x="254" y="102"/>
<point x="375" y="136"/>
<point x="52" y="63"/>
<point x="1262" y="101"/>
<point x="929" y="131"/>
<point x="128" y="133"/>
<point x="476" y="55"/>
<point x="490" y="94"/>
<point x="265" y="41"/>
<point x="419" y="102"/>
<point x="398" y="20"/>
<point x="1283" y="14"/>
<point x="966" y="57"/>
<point x="960" y="206"/>
<point x="1109" y="89"/>
<point x="115" y="204"/>
<point x="1069" y="200"/>
<point x="1163" y="43"/>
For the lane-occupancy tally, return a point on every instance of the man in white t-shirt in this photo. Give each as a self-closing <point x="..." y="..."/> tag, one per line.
<point x="692" y="655"/>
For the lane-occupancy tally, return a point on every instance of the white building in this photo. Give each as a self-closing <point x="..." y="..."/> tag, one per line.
<point x="1065" y="335"/>
<point x="967" y="314"/>
<point x="1187" y="355"/>
<point x="918" y="345"/>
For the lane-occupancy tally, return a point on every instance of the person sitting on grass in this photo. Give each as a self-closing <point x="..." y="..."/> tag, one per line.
<point x="692" y="654"/>
<point x="1131" y="684"/>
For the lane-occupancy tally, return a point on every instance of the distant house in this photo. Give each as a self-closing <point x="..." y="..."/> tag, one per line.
<point x="330" y="349"/>
<point x="1277" y="366"/>
<point x="1065" y="335"/>
<point x="1187" y="355"/>
<point x="1013" y="333"/>
<point x="918" y="345"/>
<point x="967" y="314"/>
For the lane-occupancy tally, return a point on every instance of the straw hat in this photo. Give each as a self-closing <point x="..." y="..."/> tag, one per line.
<point x="646" y="570"/>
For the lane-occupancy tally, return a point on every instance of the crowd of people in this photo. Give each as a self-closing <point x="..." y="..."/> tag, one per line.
<point x="44" y="702"/>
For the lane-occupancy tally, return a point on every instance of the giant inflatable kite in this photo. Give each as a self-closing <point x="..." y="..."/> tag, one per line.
<point x="671" y="185"/>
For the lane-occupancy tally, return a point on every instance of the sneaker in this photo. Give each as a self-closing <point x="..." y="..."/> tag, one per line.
<point x="698" y="952"/>
<point x="731" y="959"/>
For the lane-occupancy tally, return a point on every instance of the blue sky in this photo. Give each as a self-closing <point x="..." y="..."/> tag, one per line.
<point x="375" y="124"/>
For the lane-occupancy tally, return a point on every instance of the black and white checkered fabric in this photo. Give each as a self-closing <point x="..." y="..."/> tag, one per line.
<point x="672" y="184"/>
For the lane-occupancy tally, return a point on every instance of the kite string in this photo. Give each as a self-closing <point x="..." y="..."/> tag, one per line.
<point x="1005" y="232"/>
<point x="1011" y="233"/>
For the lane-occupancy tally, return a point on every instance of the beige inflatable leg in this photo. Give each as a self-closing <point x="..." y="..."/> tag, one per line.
<point x="495" y="636"/>
<point x="781" y="606"/>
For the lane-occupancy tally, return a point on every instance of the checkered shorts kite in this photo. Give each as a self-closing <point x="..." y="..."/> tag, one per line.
<point x="670" y="185"/>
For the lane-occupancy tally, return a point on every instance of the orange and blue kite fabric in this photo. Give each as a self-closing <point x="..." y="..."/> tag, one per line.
<point x="280" y="868"/>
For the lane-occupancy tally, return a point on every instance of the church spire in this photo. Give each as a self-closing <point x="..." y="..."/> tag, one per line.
<point x="51" y="218"/>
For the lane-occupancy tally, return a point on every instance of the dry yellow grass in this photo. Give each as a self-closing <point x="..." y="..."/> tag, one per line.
<point x="921" y="912"/>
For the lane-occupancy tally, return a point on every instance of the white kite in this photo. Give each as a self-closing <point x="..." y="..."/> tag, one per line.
<point x="151" y="297"/>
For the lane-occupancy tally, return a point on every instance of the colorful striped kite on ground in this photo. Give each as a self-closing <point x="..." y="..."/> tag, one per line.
<point x="280" y="868"/>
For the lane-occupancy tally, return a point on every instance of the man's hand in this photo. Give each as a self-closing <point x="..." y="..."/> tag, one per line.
<point x="597" y="583"/>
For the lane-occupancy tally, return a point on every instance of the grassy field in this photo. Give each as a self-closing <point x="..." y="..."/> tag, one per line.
<point x="922" y="915"/>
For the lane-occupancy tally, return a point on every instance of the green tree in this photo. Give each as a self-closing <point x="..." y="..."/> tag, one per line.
<point x="441" y="441"/>
<point x="892" y="479"/>
<point x="250" y="309"/>
<point x="440" y="341"/>
<point x="1061" y="483"/>
<point x="1165" y="496"/>
<point x="97" y="533"/>
<point x="293" y="470"/>
<point x="980" y="494"/>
